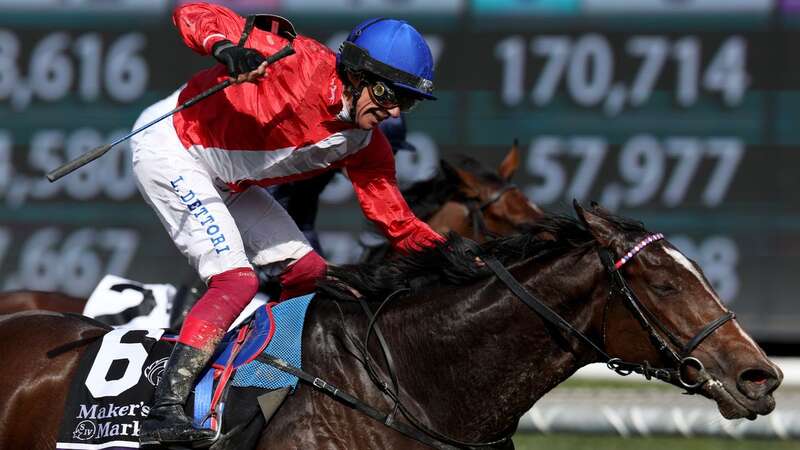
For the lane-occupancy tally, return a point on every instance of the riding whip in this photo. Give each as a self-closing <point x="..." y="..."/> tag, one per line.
<point x="97" y="152"/>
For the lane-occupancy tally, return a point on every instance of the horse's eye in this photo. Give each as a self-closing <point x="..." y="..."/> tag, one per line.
<point x="665" y="289"/>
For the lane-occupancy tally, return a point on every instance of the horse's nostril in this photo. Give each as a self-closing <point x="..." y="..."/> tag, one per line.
<point x="756" y="383"/>
<point x="755" y="376"/>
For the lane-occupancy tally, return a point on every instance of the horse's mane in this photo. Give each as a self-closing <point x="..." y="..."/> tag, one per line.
<point x="452" y="263"/>
<point x="426" y="197"/>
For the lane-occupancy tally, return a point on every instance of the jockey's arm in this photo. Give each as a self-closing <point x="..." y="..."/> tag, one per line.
<point x="372" y="173"/>
<point x="202" y="25"/>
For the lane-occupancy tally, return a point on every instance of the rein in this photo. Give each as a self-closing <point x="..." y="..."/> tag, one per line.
<point x="395" y="394"/>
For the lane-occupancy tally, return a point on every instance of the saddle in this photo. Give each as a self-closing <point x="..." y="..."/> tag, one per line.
<point x="237" y="348"/>
<point x="247" y="342"/>
<point x="234" y="362"/>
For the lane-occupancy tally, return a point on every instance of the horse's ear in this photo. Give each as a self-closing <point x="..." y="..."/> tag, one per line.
<point x="469" y="183"/>
<point x="599" y="209"/>
<point x="602" y="230"/>
<point x="510" y="163"/>
<point x="580" y="212"/>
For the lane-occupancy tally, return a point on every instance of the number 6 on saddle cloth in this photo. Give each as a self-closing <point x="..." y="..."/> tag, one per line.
<point x="114" y="383"/>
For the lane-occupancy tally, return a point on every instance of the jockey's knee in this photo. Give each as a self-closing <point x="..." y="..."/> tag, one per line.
<point x="301" y="276"/>
<point x="227" y="295"/>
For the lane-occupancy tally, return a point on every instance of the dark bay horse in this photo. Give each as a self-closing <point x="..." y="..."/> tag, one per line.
<point x="465" y="198"/>
<point x="470" y="357"/>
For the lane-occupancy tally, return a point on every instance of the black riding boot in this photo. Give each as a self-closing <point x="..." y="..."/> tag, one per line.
<point x="167" y="422"/>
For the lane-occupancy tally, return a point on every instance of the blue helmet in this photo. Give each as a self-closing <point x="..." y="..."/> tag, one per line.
<point x="394" y="51"/>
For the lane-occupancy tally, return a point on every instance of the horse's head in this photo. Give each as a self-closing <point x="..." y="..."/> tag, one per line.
<point x="677" y="308"/>
<point x="488" y="203"/>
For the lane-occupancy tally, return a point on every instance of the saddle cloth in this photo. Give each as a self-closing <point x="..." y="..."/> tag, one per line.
<point x="113" y="387"/>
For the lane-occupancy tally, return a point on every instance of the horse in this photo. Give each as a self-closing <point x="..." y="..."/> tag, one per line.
<point x="467" y="198"/>
<point x="473" y="201"/>
<point x="469" y="358"/>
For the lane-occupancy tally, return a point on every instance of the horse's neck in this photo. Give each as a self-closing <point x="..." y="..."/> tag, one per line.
<point x="479" y="358"/>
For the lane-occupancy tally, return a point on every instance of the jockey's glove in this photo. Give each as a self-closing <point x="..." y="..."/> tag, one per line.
<point x="237" y="59"/>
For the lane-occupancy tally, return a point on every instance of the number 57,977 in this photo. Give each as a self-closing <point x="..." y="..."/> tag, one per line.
<point x="641" y="169"/>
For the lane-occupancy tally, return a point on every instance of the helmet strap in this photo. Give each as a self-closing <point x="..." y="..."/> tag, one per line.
<point x="355" y="94"/>
<point x="354" y="89"/>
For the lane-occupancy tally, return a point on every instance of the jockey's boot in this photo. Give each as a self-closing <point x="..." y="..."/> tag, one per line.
<point x="167" y="423"/>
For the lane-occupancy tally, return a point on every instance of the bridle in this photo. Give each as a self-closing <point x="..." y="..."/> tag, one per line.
<point x="681" y="358"/>
<point x="476" y="208"/>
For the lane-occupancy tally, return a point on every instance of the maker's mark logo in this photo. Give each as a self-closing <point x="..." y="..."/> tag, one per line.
<point x="155" y="369"/>
<point x="85" y="430"/>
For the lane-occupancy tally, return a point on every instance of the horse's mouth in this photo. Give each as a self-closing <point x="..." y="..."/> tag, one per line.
<point x="733" y="405"/>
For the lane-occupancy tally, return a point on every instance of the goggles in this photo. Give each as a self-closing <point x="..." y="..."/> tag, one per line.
<point x="385" y="97"/>
<point x="357" y="59"/>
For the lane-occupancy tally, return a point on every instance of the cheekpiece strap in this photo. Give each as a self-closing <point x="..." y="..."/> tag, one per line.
<point x="637" y="248"/>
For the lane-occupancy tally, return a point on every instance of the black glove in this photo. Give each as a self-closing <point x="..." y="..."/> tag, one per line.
<point x="238" y="60"/>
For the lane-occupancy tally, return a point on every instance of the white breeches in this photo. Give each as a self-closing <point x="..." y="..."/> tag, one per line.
<point x="216" y="229"/>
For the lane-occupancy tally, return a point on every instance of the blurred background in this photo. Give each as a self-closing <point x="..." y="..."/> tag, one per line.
<point x="680" y="113"/>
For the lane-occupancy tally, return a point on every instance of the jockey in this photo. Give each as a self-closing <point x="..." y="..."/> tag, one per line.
<point x="306" y="114"/>
<point x="301" y="198"/>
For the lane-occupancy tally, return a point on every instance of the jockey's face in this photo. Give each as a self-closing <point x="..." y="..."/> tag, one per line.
<point x="369" y="113"/>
